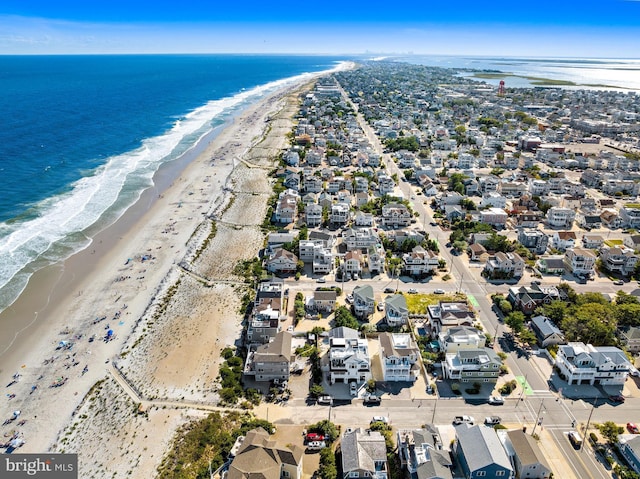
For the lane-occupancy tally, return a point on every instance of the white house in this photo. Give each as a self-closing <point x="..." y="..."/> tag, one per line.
<point x="461" y="337"/>
<point x="399" y="356"/>
<point x="581" y="363"/>
<point x="349" y="360"/>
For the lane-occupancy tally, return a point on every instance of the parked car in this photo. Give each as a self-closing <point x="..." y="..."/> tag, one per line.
<point x="619" y="398"/>
<point x="438" y="291"/>
<point x="327" y="400"/>
<point x="413" y="291"/>
<point x="380" y="306"/>
<point x="389" y="290"/>
<point x="371" y="399"/>
<point x="316" y="445"/>
<point x="383" y="419"/>
<point x="632" y="428"/>
<point x="353" y="389"/>
<point x="618" y="282"/>
<point x="464" y="420"/>
<point x="314" y="436"/>
<point x="350" y="298"/>
<point x="496" y="400"/>
<point x="321" y="280"/>
<point x="492" y="420"/>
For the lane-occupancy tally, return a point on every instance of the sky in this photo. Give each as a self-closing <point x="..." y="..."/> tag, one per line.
<point x="545" y="28"/>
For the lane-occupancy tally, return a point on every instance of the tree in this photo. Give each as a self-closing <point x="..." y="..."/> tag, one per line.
<point x="316" y="390"/>
<point x="343" y="317"/>
<point x="628" y="314"/>
<point x="326" y="428"/>
<point x="609" y="431"/>
<point x="590" y="323"/>
<point x="527" y="337"/>
<point x="327" y="469"/>
<point x="515" y="320"/>
<point x="555" y="311"/>
<point x="505" y="306"/>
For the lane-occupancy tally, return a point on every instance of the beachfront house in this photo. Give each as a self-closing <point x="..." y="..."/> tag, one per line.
<point x="271" y="361"/>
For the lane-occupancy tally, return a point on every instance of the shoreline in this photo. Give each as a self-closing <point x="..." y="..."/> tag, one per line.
<point x="117" y="278"/>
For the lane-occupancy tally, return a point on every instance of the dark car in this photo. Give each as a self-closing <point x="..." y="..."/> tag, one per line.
<point x="389" y="290"/>
<point x="619" y="398"/>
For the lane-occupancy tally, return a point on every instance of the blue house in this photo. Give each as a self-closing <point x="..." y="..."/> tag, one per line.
<point x="481" y="454"/>
<point x="629" y="445"/>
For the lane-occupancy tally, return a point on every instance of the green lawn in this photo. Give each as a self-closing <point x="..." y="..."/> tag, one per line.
<point x="417" y="303"/>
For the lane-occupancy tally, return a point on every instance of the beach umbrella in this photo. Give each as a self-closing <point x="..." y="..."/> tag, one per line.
<point x="110" y="333"/>
<point x="16" y="414"/>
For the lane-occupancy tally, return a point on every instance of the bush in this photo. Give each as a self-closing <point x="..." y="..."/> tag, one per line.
<point x="327" y="469"/>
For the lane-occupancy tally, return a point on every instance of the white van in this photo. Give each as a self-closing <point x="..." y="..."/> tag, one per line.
<point x="575" y="438"/>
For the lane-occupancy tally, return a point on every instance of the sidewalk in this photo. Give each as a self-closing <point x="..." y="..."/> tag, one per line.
<point x="554" y="456"/>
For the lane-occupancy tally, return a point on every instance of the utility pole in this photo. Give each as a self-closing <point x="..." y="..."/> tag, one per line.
<point x="433" y="416"/>
<point x="538" y="420"/>
<point x="586" y="428"/>
<point x="522" y="393"/>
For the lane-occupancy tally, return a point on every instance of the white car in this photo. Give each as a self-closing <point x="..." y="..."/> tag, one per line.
<point x="353" y="389"/>
<point x="413" y="291"/>
<point x="497" y="400"/>
<point x="380" y="306"/>
<point x="383" y="419"/>
<point x="464" y="420"/>
<point x="438" y="291"/>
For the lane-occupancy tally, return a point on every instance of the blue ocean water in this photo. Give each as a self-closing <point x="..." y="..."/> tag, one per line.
<point x="81" y="137"/>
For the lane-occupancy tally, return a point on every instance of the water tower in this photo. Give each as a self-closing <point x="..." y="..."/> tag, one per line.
<point x="501" y="88"/>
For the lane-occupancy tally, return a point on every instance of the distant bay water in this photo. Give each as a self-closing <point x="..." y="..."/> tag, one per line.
<point x="82" y="136"/>
<point x="612" y="72"/>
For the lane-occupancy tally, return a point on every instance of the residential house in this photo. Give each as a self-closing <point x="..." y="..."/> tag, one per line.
<point x="360" y="238"/>
<point x="324" y="301"/>
<point x="399" y="357"/>
<point x="339" y="214"/>
<point x="480" y="453"/>
<point x="461" y="337"/>
<point x="477" y="252"/>
<point x="270" y="362"/>
<point x="580" y="262"/>
<point x="620" y="260"/>
<point x="547" y="333"/>
<point x="472" y="365"/>
<point x="313" y="184"/>
<point x="633" y="242"/>
<point x="580" y="363"/>
<point x="629" y="447"/>
<point x="589" y="220"/>
<point x="534" y="240"/>
<point x="258" y="452"/>
<point x="504" y="265"/>
<point x="420" y="262"/>
<point x="448" y="314"/>
<point x="558" y="217"/>
<point x="264" y="323"/>
<point x="563" y="240"/>
<point x="275" y="240"/>
<point x="292" y="181"/>
<point x="454" y="212"/>
<point x="375" y="259"/>
<point x="611" y="219"/>
<point x="396" y="311"/>
<point x="422" y="454"/>
<point x="363" y="301"/>
<point x="496" y="217"/>
<point x="282" y="261"/>
<point x="592" y="241"/>
<point x="553" y="264"/>
<point x="286" y="207"/>
<point x="313" y="215"/>
<point x="395" y="215"/>
<point x="525" y="454"/>
<point x="494" y="199"/>
<point x="631" y="339"/>
<point x="348" y="360"/>
<point x="364" y="455"/>
<point x="353" y="261"/>
<point x="528" y="219"/>
<point x="528" y="298"/>
<point x="385" y="184"/>
<point x="363" y="219"/>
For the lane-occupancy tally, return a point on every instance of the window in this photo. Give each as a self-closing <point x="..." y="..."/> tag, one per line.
<point x="499" y="473"/>
<point x="481" y="473"/>
<point x="285" y="474"/>
<point x="354" y="474"/>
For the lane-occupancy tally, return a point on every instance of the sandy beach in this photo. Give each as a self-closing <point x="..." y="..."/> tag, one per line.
<point x="118" y="340"/>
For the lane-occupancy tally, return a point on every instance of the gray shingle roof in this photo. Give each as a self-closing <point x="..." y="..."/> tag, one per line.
<point x="481" y="447"/>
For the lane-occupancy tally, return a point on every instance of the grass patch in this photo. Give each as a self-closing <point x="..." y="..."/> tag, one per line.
<point x="418" y="303"/>
<point x="613" y="242"/>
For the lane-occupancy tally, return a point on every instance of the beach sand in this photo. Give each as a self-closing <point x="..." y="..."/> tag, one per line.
<point x="171" y="304"/>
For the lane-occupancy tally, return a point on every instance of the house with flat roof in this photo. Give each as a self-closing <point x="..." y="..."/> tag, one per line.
<point x="448" y="314"/>
<point x="480" y="453"/>
<point x="348" y="358"/>
<point x="461" y="337"/>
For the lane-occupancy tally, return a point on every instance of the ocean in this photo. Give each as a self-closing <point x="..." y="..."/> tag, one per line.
<point x="82" y="136"/>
